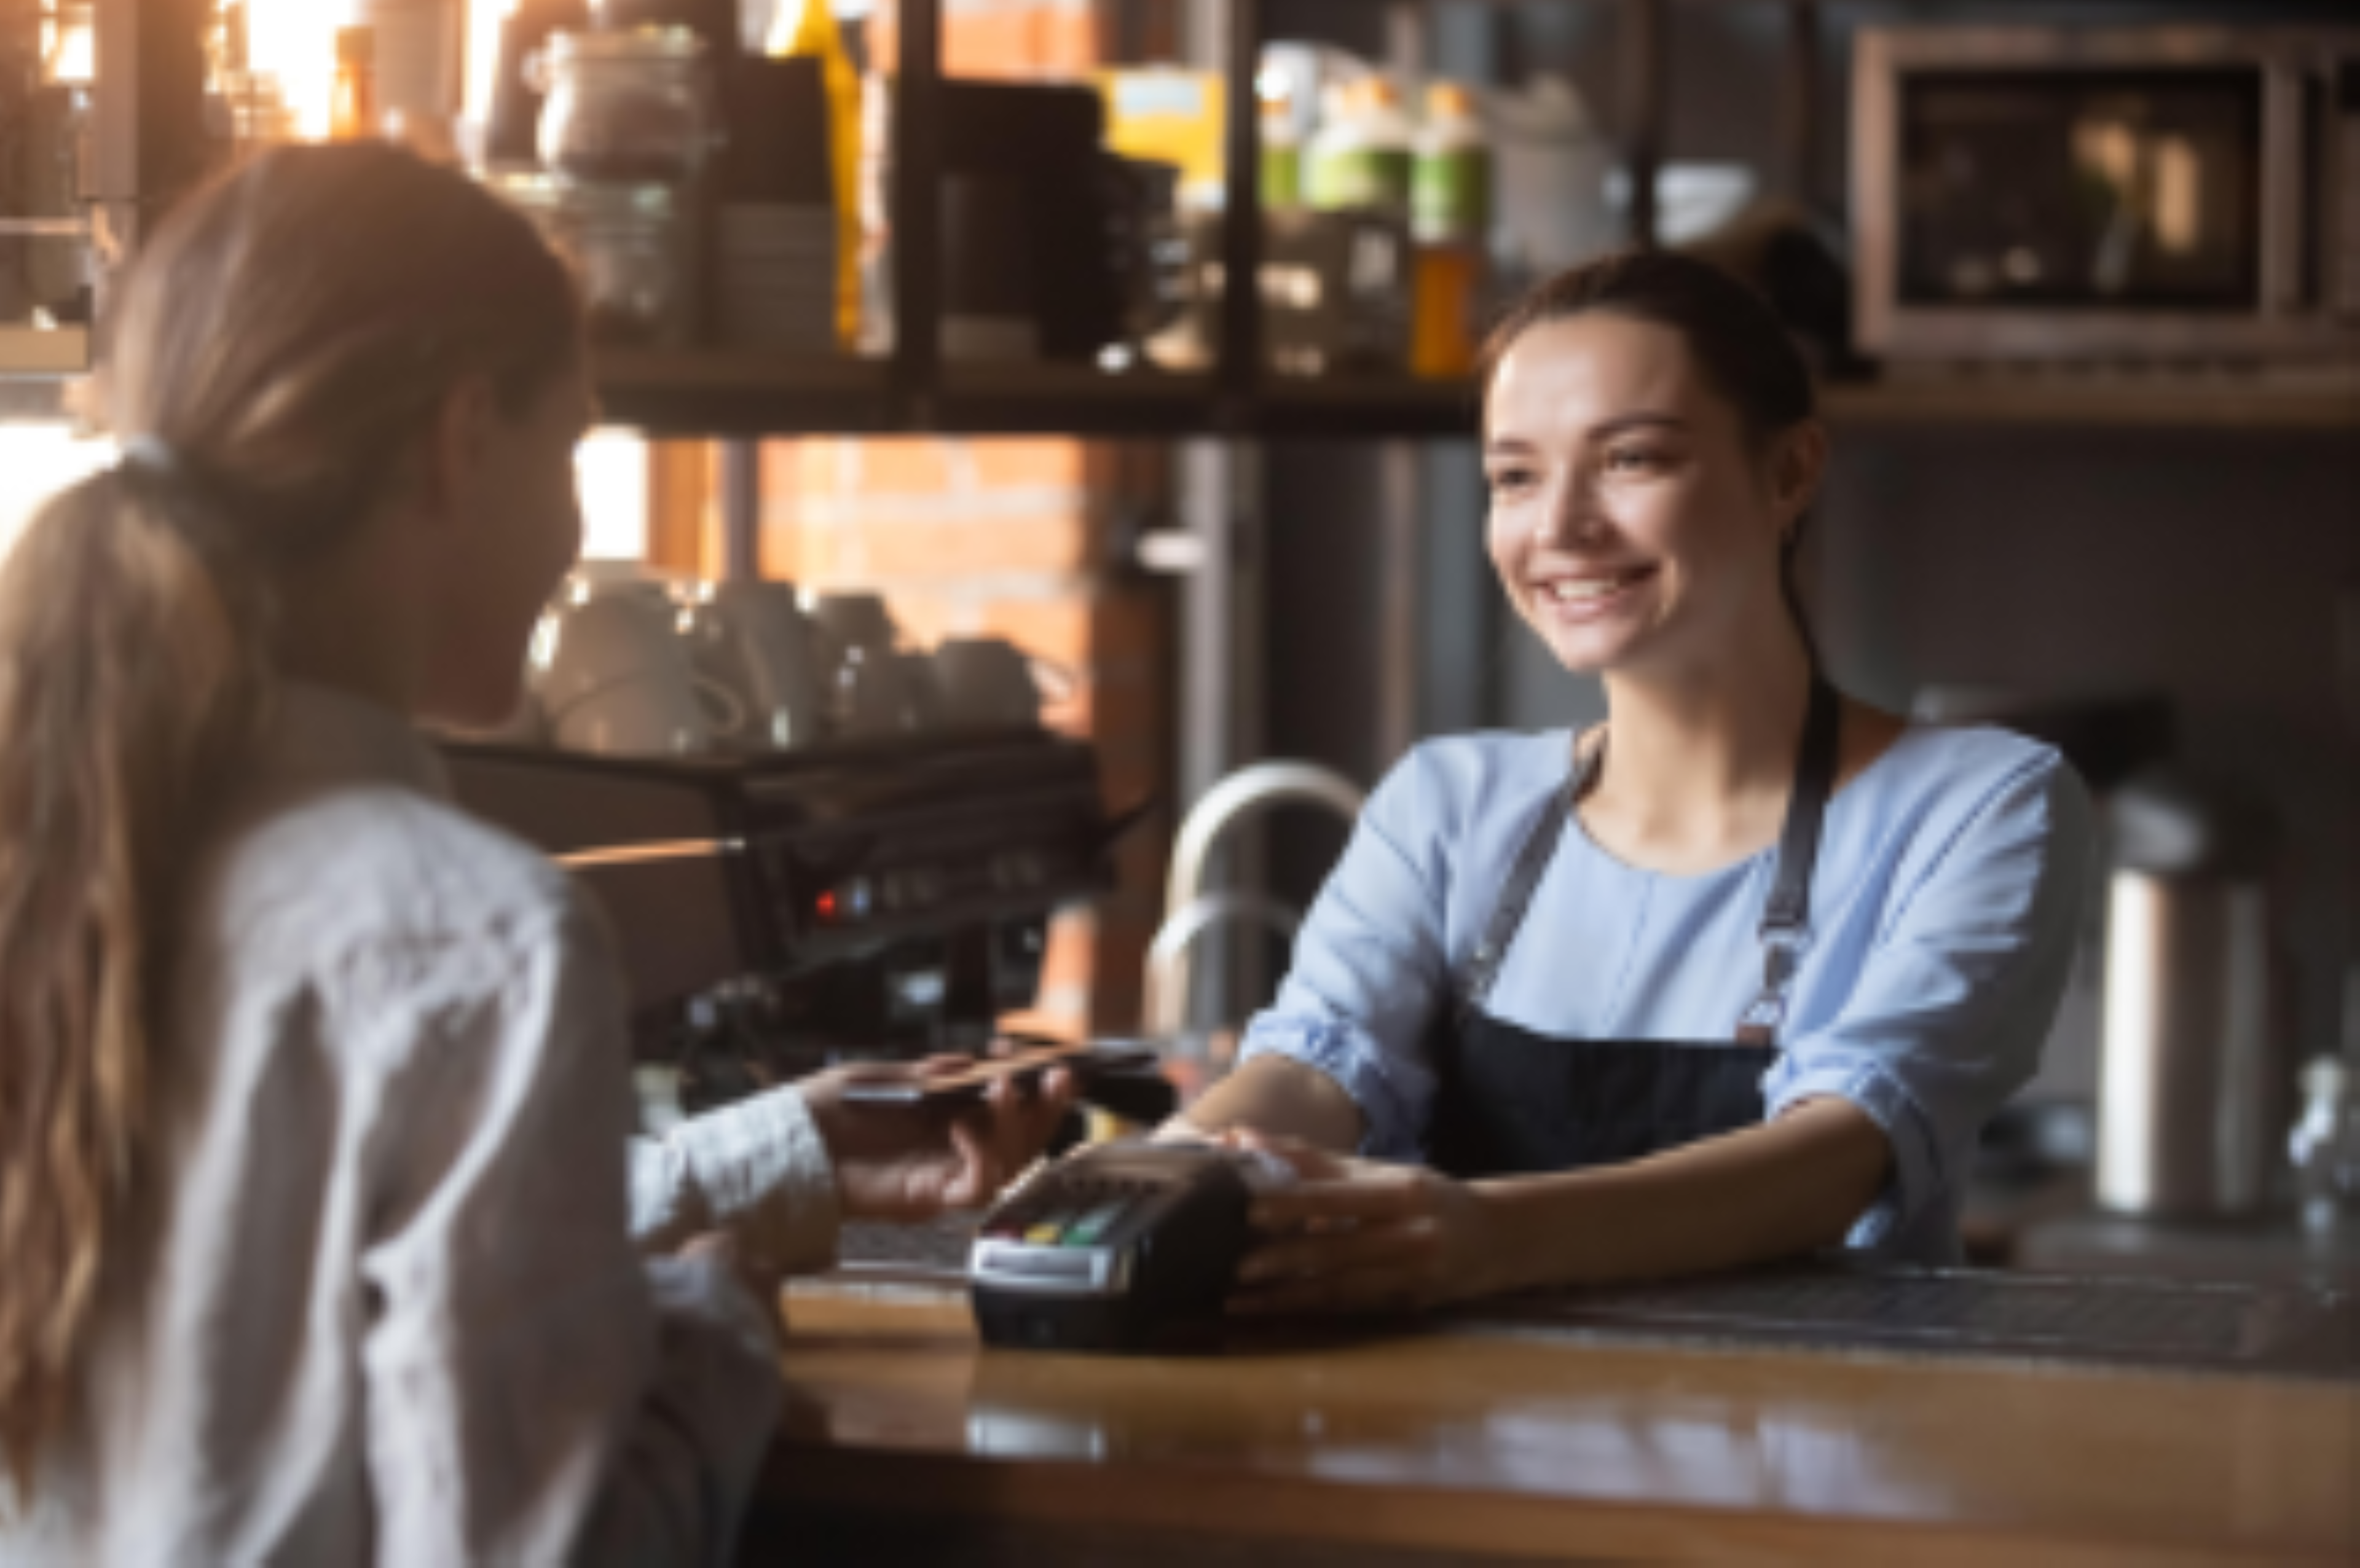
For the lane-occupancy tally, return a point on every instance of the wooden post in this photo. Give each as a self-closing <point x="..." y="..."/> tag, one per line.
<point x="917" y="211"/>
<point x="1645" y="108"/>
<point x="1241" y="360"/>
<point x="1799" y="107"/>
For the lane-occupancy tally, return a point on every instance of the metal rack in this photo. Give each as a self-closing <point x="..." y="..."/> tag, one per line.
<point x="716" y="393"/>
<point x="722" y="394"/>
<point x="719" y="393"/>
<point x="732" y="395"/>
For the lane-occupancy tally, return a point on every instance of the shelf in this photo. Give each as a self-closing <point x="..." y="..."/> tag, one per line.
<point x="714" y="393"/>
<point x="1374" y="406"/>
<point x="1034" y="399"/>
<point x="687" y="392"/>
<point x="711" y="392"/>
<point x="2093" y="402"/>
<point x="45" y="399"/>
<point x="708" y="393"/>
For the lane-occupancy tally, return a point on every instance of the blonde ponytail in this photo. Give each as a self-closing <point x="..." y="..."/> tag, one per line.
<point x="285" y="341"/>
<point x="128" y="685"/>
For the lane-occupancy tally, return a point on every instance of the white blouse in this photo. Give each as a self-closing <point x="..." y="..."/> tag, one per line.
<point x="391" y="1298"/>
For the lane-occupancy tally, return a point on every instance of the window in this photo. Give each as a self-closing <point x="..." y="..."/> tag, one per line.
<point x="612" y="469"/>
<point x="36" y="460"/>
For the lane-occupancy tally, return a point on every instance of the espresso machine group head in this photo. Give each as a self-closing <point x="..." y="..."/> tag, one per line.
<point x="787" y="910"/>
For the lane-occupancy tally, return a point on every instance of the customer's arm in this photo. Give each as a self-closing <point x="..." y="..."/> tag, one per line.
<point x="778" y="1171"/>
<point x="758" y="1170"/>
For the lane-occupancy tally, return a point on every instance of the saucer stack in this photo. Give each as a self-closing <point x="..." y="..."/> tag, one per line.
<point x="774" y="276"/>
<point x="773" y="270"/>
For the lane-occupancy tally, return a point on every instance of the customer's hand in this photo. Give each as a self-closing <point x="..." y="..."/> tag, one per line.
<point x="911" y="1163"/>
<point x="1357" y="1236"/>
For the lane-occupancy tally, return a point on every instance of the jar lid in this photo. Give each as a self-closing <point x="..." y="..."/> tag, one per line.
<point x="529" y="189"/>
<point x="636" y="46"/>
<point x="626" y="205"/>
<point x="552" y="195"/>
<point x="2167" y="822"/>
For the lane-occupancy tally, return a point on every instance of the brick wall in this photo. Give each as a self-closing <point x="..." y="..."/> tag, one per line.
<point x="1018" y="539"/>
<point x="1004" y="38"/>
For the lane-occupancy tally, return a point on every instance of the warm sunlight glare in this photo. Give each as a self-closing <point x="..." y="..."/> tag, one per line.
<point x="295" y="42"/>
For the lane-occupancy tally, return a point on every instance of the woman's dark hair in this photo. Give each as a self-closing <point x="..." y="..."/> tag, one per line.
<point x="1735" y="339"/>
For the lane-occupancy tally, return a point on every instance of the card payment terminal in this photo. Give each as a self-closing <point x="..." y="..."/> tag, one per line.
<point x="1127" y="1246"/>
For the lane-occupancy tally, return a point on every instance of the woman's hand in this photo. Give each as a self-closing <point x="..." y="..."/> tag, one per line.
<point x="1357" y="1236"/>
<point x="911" y="1163"/>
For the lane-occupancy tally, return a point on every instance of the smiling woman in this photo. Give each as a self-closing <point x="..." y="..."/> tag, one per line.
<point x="1738" y="974"/>
<point x="1701" y="373"/>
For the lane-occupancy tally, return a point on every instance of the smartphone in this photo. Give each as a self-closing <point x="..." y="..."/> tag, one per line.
<point x="1084" y="1059"/>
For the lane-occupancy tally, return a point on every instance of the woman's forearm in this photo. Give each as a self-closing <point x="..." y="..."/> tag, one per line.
<point x="1775" y="1191"/>
<point x="1272" y="1094"/>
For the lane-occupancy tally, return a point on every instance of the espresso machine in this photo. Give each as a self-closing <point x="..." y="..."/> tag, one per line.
<point x="776" y="914"/>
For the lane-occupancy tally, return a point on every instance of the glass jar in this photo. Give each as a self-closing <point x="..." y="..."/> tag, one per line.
<point x="629" y="108"/>
<point x="2325" y="1145"/>
<point x="627" y="246"/>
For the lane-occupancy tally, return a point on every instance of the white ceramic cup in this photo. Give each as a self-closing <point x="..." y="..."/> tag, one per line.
<point x="647" y="716"/>
<point x="847" y="621"/>
<point x="986" y="683"/>
<point x="613" y="675"/>
<point x="754" y="639"/>
<point x="879" y="691"/>
<point x="524" y="727"/>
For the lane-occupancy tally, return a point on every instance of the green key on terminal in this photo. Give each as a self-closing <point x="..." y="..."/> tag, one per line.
<point x="1093" y="1224"/>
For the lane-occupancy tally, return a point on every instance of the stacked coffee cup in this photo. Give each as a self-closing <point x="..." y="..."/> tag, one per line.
<point x="628" y="665"/>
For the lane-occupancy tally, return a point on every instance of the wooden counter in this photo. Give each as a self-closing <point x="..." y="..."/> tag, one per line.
<point x="904" y="1441"/>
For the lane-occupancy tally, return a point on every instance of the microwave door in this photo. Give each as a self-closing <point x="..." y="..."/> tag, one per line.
<point x="2134" y="194"/>
<point x="2339" y="211"/>
<point x="2105" y="190"/>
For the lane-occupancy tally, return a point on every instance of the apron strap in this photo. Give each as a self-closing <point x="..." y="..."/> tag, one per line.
<point x="1785" y="917"/>
<point x="1524" y="880"/>
<point x="1785" y="927"/>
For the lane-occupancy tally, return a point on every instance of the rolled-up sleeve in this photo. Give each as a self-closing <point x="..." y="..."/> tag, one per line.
<point x="1949" y="1013"/>
<point x="756" y="1169"/>
<point x="1370" y="969"/>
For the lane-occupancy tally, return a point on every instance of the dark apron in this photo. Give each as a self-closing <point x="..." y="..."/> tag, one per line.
<point x="1514" y="1103"/>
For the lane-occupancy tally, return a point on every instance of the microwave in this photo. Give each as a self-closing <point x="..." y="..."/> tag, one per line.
<point x="2152" y="193"/>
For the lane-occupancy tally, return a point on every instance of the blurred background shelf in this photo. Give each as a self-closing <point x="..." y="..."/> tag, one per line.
<point x="1036" y="400"/>
<point x="710" y="392"/>
<point x="42" y="398"/>
<point x="1392" y="407"/>
<point x="2221" y="403"/>
<point x="703" y="392"/>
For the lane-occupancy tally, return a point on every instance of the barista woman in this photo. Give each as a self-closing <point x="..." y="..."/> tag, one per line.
<point x="318" y="1239"/>
<point x="1738" y="973"/>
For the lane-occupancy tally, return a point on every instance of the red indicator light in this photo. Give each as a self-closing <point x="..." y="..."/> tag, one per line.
<point x="827" y="906"/>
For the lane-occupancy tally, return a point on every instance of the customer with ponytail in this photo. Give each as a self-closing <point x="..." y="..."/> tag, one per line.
<point x="319" y="1237"/>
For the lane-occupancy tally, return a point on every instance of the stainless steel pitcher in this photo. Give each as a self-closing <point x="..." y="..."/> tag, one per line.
<point x="2189" y="1103"/>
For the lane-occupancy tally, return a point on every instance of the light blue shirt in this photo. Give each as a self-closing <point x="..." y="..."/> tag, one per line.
<point x="1944" y="914"/>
